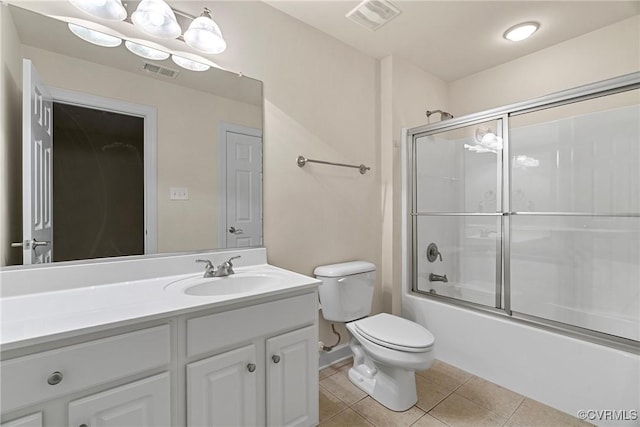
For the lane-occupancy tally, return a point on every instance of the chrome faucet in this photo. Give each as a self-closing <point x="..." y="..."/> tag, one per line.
<point x="438" y="278"/>
<point x="223" y="270"/>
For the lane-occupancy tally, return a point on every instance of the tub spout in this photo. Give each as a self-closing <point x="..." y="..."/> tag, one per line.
<point x="438" y="278"/>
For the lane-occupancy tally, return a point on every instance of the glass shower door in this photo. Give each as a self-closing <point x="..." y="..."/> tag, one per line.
<point x="456" y="211"/>
<point x="575" y="226"/>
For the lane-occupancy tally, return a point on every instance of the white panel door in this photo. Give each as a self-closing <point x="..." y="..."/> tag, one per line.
<point x="244" y="190"/>
<point x="143" y="403"/>
<point x="33" y="420"/>
<point x="292" y="378"/>
<point x="37" y="169"/>
<point x="221" y="390"/>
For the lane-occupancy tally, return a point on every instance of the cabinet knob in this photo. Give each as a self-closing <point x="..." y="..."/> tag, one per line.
<point x="83" y="425"/>
<point x="55" y="378"/>
<point x="251" y="367"/>
<point x="275" y="358"/>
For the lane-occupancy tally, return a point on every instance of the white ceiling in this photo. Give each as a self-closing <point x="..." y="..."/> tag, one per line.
<point x="453" y="39"/>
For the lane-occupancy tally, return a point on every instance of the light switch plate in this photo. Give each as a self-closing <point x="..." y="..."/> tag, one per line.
<point x="179" y="193"/>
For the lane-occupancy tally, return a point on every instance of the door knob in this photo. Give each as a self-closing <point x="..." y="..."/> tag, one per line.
<point x="234" y="230"/>
<point x="30" y="244"/>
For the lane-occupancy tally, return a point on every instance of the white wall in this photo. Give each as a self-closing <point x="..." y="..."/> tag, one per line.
<point x="10" y="139"/>
<point x="608" y="52"/>
<point x="320" y="102"/>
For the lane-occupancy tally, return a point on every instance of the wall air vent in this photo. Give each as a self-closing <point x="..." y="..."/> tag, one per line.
<point x="373" y="14"/>
<point x="163" y="71"/>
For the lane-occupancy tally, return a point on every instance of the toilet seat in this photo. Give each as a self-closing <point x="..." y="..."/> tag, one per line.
<point x="395" y="333"/>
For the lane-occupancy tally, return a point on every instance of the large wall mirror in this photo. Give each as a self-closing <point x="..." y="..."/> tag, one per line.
<point x="147" y="157"/>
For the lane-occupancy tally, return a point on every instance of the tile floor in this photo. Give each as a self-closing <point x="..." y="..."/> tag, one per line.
<point x="447" y="396"/>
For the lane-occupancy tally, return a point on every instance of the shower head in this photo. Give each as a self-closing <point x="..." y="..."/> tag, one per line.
<point x="443" y="114"/>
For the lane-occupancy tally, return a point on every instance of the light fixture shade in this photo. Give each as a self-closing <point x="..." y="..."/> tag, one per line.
<point x="145" y="51"/>
<point x="205" y="35"/>
<point x="156" y="18"/>
<point x="189" y="64"/>
<point x="112" y="10"/>
<point x="521" y="31"/>
<point x="95" y="37"/>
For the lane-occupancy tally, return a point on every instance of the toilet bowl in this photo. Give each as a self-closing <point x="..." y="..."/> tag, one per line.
<point x="387" y="349"/>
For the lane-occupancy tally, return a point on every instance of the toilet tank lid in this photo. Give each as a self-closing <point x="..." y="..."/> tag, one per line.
<point x="344" y="269"/>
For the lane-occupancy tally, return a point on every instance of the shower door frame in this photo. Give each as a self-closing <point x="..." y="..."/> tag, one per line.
<point x="503" y="256"/>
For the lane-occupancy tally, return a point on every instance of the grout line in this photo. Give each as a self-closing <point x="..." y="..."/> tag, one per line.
<point x="514" y="412"/>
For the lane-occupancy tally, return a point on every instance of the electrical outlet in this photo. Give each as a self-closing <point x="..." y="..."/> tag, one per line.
<point x="179" y="193"/>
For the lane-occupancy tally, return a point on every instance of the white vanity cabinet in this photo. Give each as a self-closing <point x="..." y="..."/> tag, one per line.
<point x="253" y="361"/>
<point x="267" y="372"/>
<point x="73" y="384"/>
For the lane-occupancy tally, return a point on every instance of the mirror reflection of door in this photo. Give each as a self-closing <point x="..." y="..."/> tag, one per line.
<point x="242" y="213"/>
<point x="98" y="176"/>
<point x="91" y="181"/>
<point x="37" y="153"/>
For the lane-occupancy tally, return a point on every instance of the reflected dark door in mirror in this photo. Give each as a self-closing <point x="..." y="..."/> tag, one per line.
<point x="98" y="183"/>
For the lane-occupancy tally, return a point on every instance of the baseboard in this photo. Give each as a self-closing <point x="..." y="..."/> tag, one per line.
<point x="339" y="353"/>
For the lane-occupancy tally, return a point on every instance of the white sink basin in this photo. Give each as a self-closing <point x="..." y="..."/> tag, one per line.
<point x="234" y="284"/>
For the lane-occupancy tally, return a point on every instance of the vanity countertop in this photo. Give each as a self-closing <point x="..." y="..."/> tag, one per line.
<point x="44" y="316"/>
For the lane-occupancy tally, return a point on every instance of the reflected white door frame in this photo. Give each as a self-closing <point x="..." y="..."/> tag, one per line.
<point x="149" y="114"/>
<point x="233" y="173"/>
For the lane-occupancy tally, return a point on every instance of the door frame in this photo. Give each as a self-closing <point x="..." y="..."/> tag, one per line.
<point x="150" y="116"/>
<point x="223" y="128"/>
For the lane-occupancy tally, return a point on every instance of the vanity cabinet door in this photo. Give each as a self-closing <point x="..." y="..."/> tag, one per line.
<point x="33" y="420"/>
<point x="143" y="403"/>
<point x="292" y="378"/>
<point x="222" y="390"/>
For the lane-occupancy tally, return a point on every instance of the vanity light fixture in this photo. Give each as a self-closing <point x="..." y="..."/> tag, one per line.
<point x="145" y="51"/>
<point x="112" y="10"/>
<point x="205" y="35"/>
<point x="189" y="64"/>
<point x="156" y="18"/>
<point x="521" y="31"/>
<point x="95" y="37"/>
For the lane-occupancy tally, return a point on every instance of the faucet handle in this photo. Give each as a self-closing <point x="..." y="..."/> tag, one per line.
<point x="209" y="269"/>
<point x="229" y="265"/>
<point x="233" y="257"/>
<point x="205" y="261"/>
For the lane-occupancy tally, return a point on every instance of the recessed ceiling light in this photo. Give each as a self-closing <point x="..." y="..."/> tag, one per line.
<point x="95" y="37"/>
<point x="521" y="31"/>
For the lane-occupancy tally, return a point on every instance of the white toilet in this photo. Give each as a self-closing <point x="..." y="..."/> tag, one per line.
<point x="387" y="349"/>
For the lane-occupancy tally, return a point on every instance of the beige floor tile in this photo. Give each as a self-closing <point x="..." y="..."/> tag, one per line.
<point x="329" y="405"/>
<point x="428" y="421"/>
<point x="535" y="414"/>
<point x="446" y="375"/>
<point x="340" y="386"/>
<point x="457" y="411"/>
<point x="381" y="416"/>
<point x="431" y="393"/>
<point x="491" y="396"/>
<point x="346" y="418"/>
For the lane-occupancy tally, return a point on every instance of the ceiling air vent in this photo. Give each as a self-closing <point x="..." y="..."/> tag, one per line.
<point x="373" y="14"/>
<point x="163" y="71"/>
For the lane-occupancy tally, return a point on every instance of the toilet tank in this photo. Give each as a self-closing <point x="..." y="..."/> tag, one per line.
<point x="346" y="292"/>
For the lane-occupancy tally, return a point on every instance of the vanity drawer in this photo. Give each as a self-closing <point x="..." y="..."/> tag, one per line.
<point x="51" y="374"/>
<point x="209" y="333"/>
